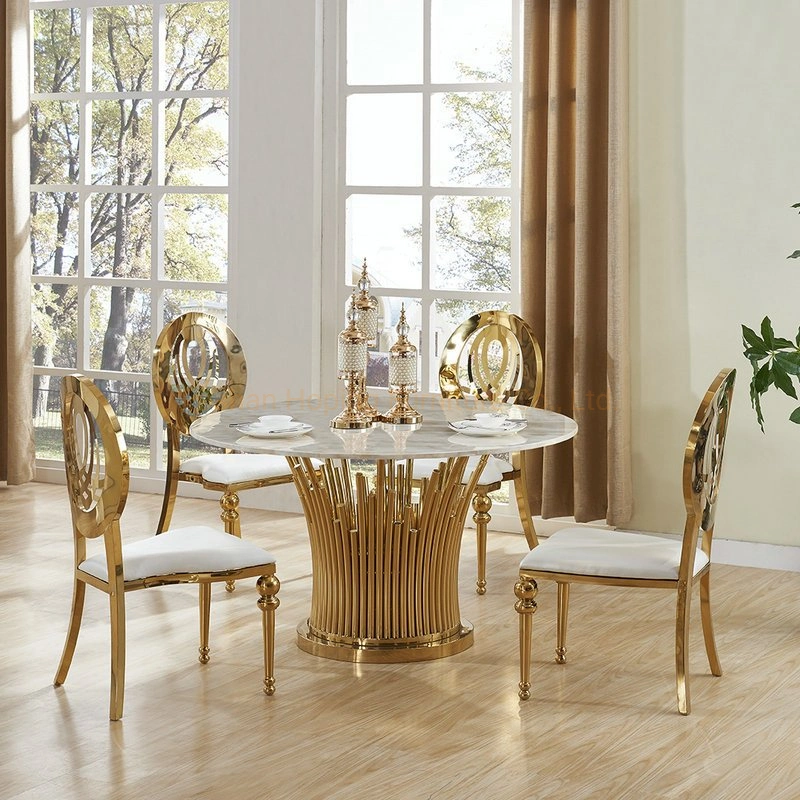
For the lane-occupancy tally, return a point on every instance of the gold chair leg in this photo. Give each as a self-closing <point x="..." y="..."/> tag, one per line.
<point x="117" y="608"/>
<point x="229" y="502"/>
<point x="526" y="591"/>
<point x="76" y="614"/>
<point x="682" y="648"/>
<point x="268" y="587"/>
<point x="521" y="493"/>
<point x="561" y="625"/>
<point x="205" y="621"/>
<point x="708" y="625"/>
<point x="482" y="504"/>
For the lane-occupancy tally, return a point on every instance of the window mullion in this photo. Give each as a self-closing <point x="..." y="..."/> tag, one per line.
<point x="425" y="301"/>
<point x="82" y="326"/>
<point x="341" y="162"/>
<point x="156" y="218"/>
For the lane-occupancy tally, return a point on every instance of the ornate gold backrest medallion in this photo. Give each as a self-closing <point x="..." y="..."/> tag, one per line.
<point x="95" y="456"/>
<point x="493" y="356"/>
<point x="198" y="367"/>
<point x="704" y="451"/>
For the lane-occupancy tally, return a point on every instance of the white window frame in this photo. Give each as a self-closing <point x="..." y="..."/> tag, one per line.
<point x="157" y="283"/>
<point x="336" y="191"/>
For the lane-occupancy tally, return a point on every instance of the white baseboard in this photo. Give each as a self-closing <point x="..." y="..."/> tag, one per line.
<point x="504" y="518"/>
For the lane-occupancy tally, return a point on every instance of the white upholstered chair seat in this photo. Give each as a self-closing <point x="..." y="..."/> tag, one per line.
<point x="609" y="554"/>
<point x="183" y="550"/>
<point x="492" y="472"/>
<point x="230" y="468"/>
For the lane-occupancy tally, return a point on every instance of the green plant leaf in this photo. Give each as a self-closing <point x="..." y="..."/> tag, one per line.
<point x="795" y="416"/>
<point x="767" y="334"/>
<point x="755" y="401"/>
<point x="762" y="379"/>
<point x="796" y="254"/>
<point x="797" y="338"/>
<point x="783" y="381"/>
<point x="796" y="205"/>
<point x="750" y="337"/>
<point x="754" y="355"/>
<point x="789" y="362"/>
<point x="782" y="344"/>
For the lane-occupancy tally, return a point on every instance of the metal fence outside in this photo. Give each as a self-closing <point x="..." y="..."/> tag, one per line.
<point x="132" y="407"/>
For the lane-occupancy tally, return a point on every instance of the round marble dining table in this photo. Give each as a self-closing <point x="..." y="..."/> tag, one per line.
<point x="385" y="547"/>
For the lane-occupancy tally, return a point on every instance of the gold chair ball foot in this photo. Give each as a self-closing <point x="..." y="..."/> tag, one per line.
<point x="524" y="691"/>
<point x="269" y="686"/>
<point x="204" y="657"/>
<point x="480" y="587"/>
<point x="561" y="655"/>
<point x="230" y="586"/>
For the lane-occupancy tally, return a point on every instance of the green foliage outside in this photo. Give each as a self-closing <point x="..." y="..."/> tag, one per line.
<point x="119" y="224"/>
<point x="473" y="234"/>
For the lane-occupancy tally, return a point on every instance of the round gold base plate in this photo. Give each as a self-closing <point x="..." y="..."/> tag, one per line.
<point x="388" y="653"/>
<point x="338" y="423"/>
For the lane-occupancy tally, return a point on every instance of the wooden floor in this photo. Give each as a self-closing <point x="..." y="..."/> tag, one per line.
<point x="603" y="726"/>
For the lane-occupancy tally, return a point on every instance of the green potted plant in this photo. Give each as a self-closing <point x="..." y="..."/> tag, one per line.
<point x="775" y="361"/>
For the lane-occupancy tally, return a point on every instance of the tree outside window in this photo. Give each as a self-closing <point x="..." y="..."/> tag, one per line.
<point x="129" y="173"/>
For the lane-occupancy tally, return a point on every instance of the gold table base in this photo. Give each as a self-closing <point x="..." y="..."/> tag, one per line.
<point x="380" y="651"/>
<point x="384" y="565"/>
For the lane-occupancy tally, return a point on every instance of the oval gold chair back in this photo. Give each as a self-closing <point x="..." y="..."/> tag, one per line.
<point x="493" y="356"/>
<point x="95" y="457"/>
<point x="198" y="367"/>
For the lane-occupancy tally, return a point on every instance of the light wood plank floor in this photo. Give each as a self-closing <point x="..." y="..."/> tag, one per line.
<point x="603" y="726"/>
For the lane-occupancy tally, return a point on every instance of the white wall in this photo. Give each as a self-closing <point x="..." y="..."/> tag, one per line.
<point x="714" y="166"/>
<point x="277" y="228"/>
<point x="276" y="298"/>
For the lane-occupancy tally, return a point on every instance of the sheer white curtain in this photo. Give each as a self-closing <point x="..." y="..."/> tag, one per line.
<point x="16" y="385"/>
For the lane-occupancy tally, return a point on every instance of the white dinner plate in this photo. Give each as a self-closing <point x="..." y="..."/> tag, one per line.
<point x="469" y="428"/>
<point x="263" y="432"/>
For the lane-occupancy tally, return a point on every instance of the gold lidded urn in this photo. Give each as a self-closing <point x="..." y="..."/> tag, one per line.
<point x="366" y="306"/>
<point x="402" y="376"/>
<point x="352" y="364"/>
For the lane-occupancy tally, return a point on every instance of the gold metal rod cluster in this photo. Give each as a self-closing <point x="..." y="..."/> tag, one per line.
<point x="385" y="566"/>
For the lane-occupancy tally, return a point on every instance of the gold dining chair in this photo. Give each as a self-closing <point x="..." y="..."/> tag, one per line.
<point x="199" y="367"/>
<point x="594" y="556"/>
<point x="98" y="476"/>
<point x="495" y="357"/>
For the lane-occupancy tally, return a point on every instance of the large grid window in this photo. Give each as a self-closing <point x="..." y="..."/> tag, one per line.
<point x="129" y="195"/>
<point x="429" y="191"/>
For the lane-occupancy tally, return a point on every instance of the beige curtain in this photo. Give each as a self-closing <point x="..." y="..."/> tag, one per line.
<point x="16" y="384"/>
<point x="575" y="249"/>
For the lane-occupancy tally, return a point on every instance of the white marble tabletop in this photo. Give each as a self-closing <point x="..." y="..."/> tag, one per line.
<point x="431" y="439"/>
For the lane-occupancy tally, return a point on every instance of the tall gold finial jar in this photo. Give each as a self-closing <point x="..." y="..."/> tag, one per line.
<point x="351" y="363"/>
<point x="366" y="306"/>
<point x="402" y="376"/>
